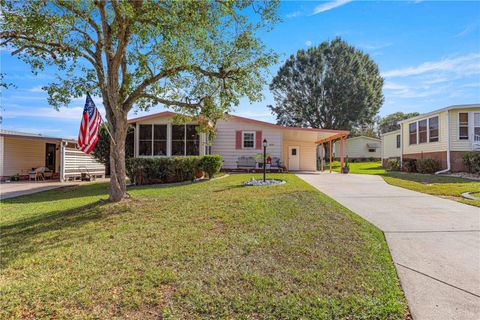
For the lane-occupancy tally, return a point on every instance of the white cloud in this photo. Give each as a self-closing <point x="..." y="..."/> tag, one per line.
<point x="294" y="14"/>
<point x="252" y="114"/>
<point x="466" y="65"/>
<point x="308" y="43"/>
<point x="36" y="89"/>
<point x="471" y="27"/>
<point x="329" y="6"/>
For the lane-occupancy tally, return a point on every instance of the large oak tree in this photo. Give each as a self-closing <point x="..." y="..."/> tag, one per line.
<point x="331" y="86"/>
<point x="197" y="57"/>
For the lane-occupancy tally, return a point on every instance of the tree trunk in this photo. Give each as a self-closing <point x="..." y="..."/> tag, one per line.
<point x="117" y="158"/>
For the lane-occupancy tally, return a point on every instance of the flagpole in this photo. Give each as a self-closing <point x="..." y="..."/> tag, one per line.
<point x="111" y="137"/>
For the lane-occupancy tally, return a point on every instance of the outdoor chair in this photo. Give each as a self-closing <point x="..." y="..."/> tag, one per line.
<point x="39" y="173"/>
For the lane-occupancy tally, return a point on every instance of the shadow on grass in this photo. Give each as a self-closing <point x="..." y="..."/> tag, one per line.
<point x="27" y="236"/>
<point x="63" y="193"/>
<point x="427" y="178"/>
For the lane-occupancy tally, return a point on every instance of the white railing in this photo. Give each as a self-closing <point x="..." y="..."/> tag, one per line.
<point x="476" y="138"/>
<point x="476" y="142"/>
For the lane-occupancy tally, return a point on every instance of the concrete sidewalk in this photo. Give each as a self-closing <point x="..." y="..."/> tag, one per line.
<point x="435" y="243"/>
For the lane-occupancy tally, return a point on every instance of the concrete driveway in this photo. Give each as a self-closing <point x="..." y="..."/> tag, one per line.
<point x="435" y="242"/>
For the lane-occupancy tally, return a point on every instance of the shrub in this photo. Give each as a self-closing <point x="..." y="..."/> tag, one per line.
<point x="170" y="169"/>
<point x="410" y="165"/>
<point x="393" y="164"/>
<point x="428" y="165"/>
<point x="471" y="160"/>
<point x="210" y="164"/>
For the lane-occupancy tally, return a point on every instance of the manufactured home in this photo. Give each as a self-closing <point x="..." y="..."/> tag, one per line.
<point x="236" y="139"/>
<point x="22" y="153"/>
<point x="360" y="148"/>
<point x="390" y="146"/>
<point x="444" y="134"/>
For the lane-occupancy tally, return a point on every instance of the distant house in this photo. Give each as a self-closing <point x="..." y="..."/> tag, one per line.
<point x="360" y="148"/>
<point x="237" y="138"/>
<point x="391" y="144"/>
<point x="444" y="134"/>
<point x="21" y="153"/>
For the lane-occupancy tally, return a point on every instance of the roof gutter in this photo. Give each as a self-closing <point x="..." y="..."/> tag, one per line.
<point x="448" y="146"/>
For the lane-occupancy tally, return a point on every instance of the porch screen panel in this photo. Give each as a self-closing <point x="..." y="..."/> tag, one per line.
<point x="192" y="141"/>
<point x="145" y="140"/>
<point x="178" y="140"/>
<point x="160" y="140"/>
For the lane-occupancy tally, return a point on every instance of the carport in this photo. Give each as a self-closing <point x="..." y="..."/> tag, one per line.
<point x="341" y="135"/>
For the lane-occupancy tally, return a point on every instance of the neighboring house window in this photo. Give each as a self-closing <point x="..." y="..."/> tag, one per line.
<point x="371" y="150"/>
<point x="412" y="129"/>
<point x="248" y="140"/>
<point x="192" y="146"/>
<point x="160" y="140"/>
<point x="398" y="141"/>
<point x="145" y="140"/>
<point x="433" y="129"/>
<point x="463" y="126"/>
<point x="476" y="126"/>
<point x="422" y="131"/>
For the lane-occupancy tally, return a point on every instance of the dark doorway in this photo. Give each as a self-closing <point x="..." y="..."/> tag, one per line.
<point x="50" y="155"/>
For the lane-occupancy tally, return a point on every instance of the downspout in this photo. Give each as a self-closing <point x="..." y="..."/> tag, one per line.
<point x="448" y="146"/>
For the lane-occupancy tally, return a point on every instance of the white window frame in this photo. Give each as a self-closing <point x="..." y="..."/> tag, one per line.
<point x="243" y="139"/>
<point x="426" y="131"/>
<point x="416" y="134"/>
<point x="460" y="126"/>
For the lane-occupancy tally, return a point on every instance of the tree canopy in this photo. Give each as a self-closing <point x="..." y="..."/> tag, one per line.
<point x="197" y="57"/>
<point x="389" y="123"/>
<point x="332" y="86"/>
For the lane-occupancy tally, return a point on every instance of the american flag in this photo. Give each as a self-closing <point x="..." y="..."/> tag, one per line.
<point x="91" y="120"/>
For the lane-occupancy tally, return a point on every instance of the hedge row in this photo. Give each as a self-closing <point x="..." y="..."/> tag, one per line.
<point x="425" y="165"/>
<point x="171" y="169"/>
<point x="471" y="160"/>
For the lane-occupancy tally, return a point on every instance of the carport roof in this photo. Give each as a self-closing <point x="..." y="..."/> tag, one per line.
<point x="27" y="135"/>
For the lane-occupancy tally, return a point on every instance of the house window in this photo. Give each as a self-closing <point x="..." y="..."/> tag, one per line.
<point x="160" y="140"/>
<point x="248" y="140"/>
<point x="433" y="129"/>
<point x="412" y="129"/>
<point x="463" y="126"/>
<point x="145" y="140"/>
<point x="371" y="150"/>
<point x="398" y="141"/>
<point x="422" y="131"/>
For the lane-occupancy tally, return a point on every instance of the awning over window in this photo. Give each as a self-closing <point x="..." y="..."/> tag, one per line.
<point x="373" y="145"/>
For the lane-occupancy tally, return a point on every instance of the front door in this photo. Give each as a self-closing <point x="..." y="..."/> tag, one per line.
<point x="293" y="158"/>
<point x="50" y="151"/>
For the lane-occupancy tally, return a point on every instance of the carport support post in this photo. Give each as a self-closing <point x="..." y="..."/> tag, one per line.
<point x="322" y="156"/>
<point x="330" y="156"/>
<point x="342" y="148"/>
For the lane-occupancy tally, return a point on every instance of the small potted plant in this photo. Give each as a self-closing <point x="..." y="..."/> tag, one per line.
<point x="346" y="166"/>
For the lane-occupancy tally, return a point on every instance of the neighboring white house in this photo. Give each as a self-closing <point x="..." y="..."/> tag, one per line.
<point x="22" y="152"/>
<point x="159" y="135"/>
<point x="360" y="148"/>
<point x="391" y="146"/>
<point x="444" y="134"/>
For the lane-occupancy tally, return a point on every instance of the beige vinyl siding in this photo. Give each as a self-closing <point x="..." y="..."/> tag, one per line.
<point x="455" y="143"/>
<point x="357" y="148"/>
<point x="225" y="141"/>
<point x="307" y="153"/>
<point x="21" y="155"/>
<point x="440" y="145"/>
<point x="389" y="145"/>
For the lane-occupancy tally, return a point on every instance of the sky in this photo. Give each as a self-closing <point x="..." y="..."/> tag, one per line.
<point x="428" y="53"/>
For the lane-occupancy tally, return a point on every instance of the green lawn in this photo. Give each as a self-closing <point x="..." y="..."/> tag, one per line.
<point x="211" y="250"/>
<point x="448" y="187"/>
